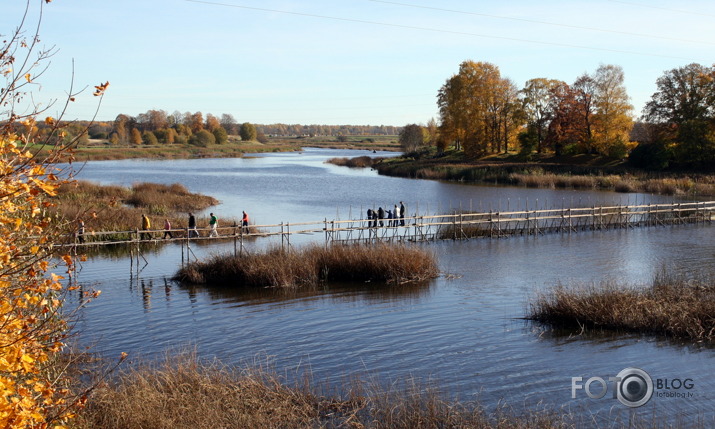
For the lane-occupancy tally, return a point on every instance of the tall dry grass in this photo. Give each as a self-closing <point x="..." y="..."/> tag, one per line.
<point x="671" y="306"/>
<point x="356" y="162"/>
<point x="160" y="199"/>
<point x="183" y="392"/>
<point x="311" y="265"/>
<point x="701" y="186"/>
<point x="116" y="208"/>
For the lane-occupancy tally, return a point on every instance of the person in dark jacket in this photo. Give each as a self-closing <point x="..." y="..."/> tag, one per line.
<point x="381" y="215"/>
<point x="192" y="226"/>
<point x="402" y="213"/>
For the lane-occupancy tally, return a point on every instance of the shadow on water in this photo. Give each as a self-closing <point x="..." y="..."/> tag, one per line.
<point x="610" y="338"/>
<point x="343" y="292"/>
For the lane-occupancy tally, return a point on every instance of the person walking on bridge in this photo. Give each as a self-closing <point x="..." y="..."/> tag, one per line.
<point x="213" y="223"/>
<point x="192" y="226"/>
<point x="167" y="228"/>
<point x="146" y="224"/>
<point x="80" y="231"/>
<point x="244" y="223"/>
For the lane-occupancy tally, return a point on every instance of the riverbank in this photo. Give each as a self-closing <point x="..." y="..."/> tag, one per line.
<point x="183" y="392"/>
<point x="314" y="265"/>
<point x="576" y="172"/>
<point x="102" y="150"/>
<point x="670" y="306"/>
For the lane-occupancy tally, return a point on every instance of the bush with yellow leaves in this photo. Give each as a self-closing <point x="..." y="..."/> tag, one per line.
<point x="33" y="391"/>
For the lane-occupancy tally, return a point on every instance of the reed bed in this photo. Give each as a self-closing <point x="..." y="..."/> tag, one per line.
<point x="314" y="264"/>
<point x="159" y="199"/>
<point x="184" y="392"/>
<point x="671" y="306"/>
<point x="553" y="176"/>
<point x="356" y="162"/>
<point x="116" y="208"/>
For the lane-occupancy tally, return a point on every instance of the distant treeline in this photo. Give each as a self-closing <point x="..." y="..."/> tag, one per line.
<point x="160" y="127"/>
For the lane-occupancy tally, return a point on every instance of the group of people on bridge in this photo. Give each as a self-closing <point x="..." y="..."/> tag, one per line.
<point x="145" y="233"/>
<point x="213" y="225"/>
<point x="394" y="217"/>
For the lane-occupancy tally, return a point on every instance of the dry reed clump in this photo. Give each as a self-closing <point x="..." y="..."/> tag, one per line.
<point x="533" y="181"/>
<point x="183" y="392"/>
<point x="661" y="186"/>
<point x="356" y="162"/>
<point x="311" y="265"/>
<point x="551" y="180"/>
<point x="670" y="306"/>
<point x="173" y="197"/>
<point x="115" y="208"/>
<point x="431" y="174"/>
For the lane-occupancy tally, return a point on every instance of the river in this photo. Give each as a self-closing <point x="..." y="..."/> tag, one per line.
<point x="462" y="332"/>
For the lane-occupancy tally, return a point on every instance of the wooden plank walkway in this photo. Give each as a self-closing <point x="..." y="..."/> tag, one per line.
<point x="457" y="226"/>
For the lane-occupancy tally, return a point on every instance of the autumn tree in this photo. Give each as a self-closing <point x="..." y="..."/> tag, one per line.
<point x="479" y="109"/>
<point x="537" y="107"/>
<point x="508" y="113"/>
<point x="32" y="330"/>
<point x="149" y="138"/>
<point x="411" y="138"/>
<point x="583" y="90"/>
<point x="212" y="122"/>
<point x="432" y="132"/>
<point x="121" y="128"/>
<point x="229" y="123"/>
<point x="565" y="127"/>
<point x="683" y="108"/>
<point x="195" y="121"/>
<point x="220" y="135"/>
<point x="247" y="132"/>
<point x="613" y="118"/>
<point x="135" y="136"/>
<point x="202" y="139"/>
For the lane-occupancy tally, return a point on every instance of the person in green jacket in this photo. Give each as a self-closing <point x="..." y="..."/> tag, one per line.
<point x="213" y="223"/>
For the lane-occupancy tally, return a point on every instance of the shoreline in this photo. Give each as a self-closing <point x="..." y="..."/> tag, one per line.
<point x="103" y="151"/>
<point x="580" y="173"/>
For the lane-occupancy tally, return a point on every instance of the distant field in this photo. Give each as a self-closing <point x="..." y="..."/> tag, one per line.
<point x="103" y="150"/>
<point x="381" y="142"/>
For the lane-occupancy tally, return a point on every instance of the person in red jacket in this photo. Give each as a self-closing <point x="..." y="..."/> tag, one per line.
<point x="244" y="222"/>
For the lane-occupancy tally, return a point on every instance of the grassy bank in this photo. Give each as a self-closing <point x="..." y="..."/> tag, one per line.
<point x="374" y="142"/>
<point x="576" y="172"/>
<point x="671" y="306"/>
<point x="100" y="150"/>
<point x="356" y="162"/>
<point x="182" y="392"/>
<point x="117" y="208"/>
<point x="312" y="265"/>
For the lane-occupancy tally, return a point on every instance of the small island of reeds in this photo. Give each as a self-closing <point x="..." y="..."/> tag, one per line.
<point x="671" y="306"/>
<point x="313" y="265"/>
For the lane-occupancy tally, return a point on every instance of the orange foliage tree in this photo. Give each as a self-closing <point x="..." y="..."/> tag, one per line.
<point x="33" y="392"/>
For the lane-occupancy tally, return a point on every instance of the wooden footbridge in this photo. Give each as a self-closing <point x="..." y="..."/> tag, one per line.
<point x="456" y="226"/>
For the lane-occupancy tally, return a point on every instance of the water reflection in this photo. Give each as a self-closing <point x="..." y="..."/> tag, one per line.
<point x="347" y="292"/>
<point x="610" y="339"/>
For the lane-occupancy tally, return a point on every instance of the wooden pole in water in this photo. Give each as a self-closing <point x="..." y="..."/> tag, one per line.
<point x="235" y="240"/>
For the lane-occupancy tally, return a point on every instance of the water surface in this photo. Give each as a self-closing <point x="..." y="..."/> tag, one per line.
<point x="463" y="330"/>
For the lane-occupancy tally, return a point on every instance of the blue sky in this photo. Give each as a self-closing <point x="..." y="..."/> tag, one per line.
<point x="346" y="61"/>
